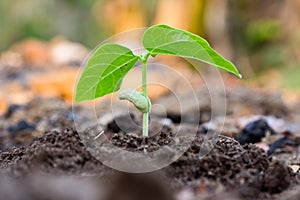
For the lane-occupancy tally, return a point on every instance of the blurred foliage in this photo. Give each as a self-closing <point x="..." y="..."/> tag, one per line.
<point x="291" y="78"/>
<point x="45" y="19"/>
<point x="262" y="31"/>
<point x="91" y="21"/>
<point x="270" y="56"/>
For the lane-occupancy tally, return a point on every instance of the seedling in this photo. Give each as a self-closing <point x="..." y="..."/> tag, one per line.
<point x="106" y="68"/>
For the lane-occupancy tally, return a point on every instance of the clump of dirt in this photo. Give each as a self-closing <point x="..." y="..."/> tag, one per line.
<point x="54" y="153"/>
<point x="22" y="123"/>
<point x="227" y="159"/>
<point x="247" y="170"/>
<point x="244" y="169"/>
<point x="133" y="142"/>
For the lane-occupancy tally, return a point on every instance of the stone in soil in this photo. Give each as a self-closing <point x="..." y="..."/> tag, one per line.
<point x="254" y="132"/>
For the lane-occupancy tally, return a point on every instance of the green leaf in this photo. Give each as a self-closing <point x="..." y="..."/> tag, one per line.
<point x="163" y="39"/>
<point x="104" y="71"/>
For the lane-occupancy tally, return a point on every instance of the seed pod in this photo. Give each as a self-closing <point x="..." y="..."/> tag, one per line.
<point x="140" y="102"/>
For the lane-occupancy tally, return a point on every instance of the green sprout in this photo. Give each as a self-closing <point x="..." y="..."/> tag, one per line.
<point x="106" y="68"/>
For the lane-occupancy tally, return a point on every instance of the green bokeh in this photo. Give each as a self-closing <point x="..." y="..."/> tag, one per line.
<point x="45" y="19"/>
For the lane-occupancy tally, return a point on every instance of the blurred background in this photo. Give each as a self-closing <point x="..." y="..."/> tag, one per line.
<point x="261" y="37"/>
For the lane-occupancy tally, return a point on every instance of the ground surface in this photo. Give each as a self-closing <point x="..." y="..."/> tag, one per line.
<point x="44" y="157"/>
<point x="46" y="144"/>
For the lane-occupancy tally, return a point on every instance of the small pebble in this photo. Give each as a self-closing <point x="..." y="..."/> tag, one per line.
<point x="295" y="168"/>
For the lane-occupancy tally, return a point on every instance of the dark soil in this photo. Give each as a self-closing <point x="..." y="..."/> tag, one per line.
<point x="244" y="170"/>
<point x="131" y="142"/>
<point x="42" y="155"/>
<point x="61" y="153"/>
<point x="22" y="123"/>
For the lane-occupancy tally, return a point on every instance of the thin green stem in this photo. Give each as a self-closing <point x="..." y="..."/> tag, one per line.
<point x="144" y="78"/>
<point x="145" y="124"/>
<point x="145" y="92"/>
